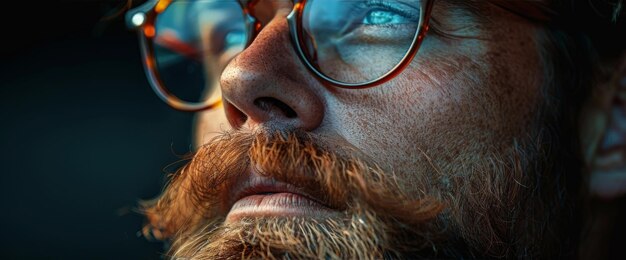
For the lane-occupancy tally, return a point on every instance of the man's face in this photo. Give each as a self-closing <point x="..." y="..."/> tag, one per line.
<point x="452" y="126"/>
<point x="461" y="98"/>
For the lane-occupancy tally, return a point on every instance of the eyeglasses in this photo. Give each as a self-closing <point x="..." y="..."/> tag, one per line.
<point x="344" y="43"/>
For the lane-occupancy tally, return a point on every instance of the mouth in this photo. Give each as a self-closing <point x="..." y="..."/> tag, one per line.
<point x="260" y="196"/>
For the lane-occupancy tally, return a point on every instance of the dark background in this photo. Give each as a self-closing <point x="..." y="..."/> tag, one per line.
<point x="83" y="137"/>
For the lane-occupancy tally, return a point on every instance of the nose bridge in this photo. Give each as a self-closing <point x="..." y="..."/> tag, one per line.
<point x="266" y="10"/>
<point x="267" y="85"/>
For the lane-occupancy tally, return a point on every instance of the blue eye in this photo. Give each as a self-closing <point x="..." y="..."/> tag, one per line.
<point x="383" y="17"/>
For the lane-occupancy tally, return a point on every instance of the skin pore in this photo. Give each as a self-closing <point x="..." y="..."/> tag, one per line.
<point x="461" y="125"/>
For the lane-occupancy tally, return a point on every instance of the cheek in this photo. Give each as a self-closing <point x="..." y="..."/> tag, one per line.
<point x="457" y="102"/>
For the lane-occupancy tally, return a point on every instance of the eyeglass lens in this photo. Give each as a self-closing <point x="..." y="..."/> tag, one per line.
<point x="349" y="41"/>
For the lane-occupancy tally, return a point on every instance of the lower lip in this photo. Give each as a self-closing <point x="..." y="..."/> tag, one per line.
<point x="276" y="204"/>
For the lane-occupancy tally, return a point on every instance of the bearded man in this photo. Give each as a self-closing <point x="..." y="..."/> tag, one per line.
<point x="388" y="129"/>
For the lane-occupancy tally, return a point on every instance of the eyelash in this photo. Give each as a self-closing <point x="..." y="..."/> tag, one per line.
<point x="384" y="5"/>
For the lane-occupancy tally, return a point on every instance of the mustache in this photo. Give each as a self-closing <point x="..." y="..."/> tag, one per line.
<point x="343" y="178"/>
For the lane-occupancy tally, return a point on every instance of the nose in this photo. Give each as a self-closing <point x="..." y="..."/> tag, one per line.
<point x="267" y="86"/>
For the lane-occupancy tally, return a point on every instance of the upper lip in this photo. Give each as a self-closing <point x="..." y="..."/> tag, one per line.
<point x="256" y="184"/>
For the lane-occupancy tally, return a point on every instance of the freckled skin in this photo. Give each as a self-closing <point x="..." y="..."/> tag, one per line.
<point x="459" y="100"/>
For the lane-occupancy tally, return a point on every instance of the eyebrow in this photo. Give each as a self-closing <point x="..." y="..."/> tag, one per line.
<point x="536" y="11"/>
<point x="533" y="10"/>
<point x="469" y="5"/>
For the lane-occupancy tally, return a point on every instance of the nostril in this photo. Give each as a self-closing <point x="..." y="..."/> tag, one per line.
<point x="268" y="104"/>
<point x="235" y="117"/>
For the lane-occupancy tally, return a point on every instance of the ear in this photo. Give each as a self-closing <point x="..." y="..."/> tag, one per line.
<point x="603" y="130"/>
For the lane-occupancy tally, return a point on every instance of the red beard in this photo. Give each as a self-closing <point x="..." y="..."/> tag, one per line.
<point x="491" y="208"/>
<point x="375" y="218"/>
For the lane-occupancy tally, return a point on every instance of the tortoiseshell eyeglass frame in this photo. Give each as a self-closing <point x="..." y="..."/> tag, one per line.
<point x="146" y="29"/>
